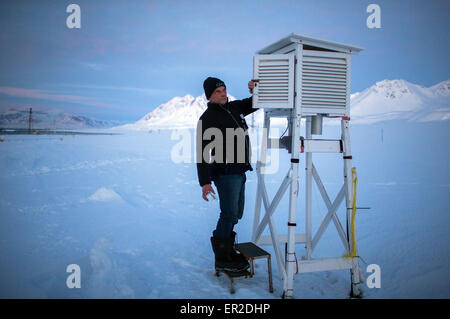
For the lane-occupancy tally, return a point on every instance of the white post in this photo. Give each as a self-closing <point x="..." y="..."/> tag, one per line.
<point x="290" y="258"/>
<point x="355" y="271"/>
<point x="260" y="168"/>
<point x="308" y="191"/>
<point x="347" y="176"/>
<point x="295" y="119"/>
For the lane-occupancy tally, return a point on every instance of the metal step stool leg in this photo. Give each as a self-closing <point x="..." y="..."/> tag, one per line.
<point x="269" y="269"/>
<point x="252" y="267"/>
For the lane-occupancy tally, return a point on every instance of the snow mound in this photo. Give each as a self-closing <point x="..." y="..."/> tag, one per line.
<point x="105" y="195"/>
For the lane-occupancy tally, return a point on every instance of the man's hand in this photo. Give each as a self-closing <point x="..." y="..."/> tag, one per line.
<point x="205" y="189"/>
<point x="251" y="86"/>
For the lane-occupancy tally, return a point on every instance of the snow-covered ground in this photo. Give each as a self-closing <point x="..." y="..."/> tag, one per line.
<point x="135" y="222"/>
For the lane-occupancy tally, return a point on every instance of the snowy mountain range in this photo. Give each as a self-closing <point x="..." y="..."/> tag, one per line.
<point x="14" y="118"/>
<point x="400" y="99"/>
<point x="179" y="112"/>
<point x="385" y="100"/>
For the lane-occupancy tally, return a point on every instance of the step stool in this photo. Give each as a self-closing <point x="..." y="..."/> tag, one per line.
<point x="251" y="252"/>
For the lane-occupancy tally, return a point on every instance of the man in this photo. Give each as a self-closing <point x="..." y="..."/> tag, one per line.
<point x="223" y="157"/>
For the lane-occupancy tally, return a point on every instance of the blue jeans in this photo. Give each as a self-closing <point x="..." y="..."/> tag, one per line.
<point x="231" y="189"/>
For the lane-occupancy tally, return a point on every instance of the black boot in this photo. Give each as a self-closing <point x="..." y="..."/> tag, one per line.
<point x="234" y="254"/>
<point x="223" y="261"/>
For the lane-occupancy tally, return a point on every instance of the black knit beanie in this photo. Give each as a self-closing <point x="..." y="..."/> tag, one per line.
<point x="210" y="85"/>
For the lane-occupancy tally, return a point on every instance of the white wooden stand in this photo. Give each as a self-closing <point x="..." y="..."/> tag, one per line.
<point x="289" y="265"/>
<point x="303" y="77"/>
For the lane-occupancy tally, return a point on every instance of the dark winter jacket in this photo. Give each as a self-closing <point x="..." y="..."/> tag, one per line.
<point x="229" y="153"/>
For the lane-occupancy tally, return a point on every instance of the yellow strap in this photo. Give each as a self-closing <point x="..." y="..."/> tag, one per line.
<point x="353" y="253"/>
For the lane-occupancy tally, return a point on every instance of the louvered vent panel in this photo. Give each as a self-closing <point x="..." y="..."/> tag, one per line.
<point x="324" y="80"/>
<point x="276" y="81"/>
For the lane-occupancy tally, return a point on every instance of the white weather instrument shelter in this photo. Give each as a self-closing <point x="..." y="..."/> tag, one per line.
<point x="302" y="77"/>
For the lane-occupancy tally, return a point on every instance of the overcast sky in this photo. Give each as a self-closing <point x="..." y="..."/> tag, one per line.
<point x="128" y="57"/>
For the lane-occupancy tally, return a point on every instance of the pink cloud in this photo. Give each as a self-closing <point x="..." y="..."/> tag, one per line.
<point x="39" y="94"/>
